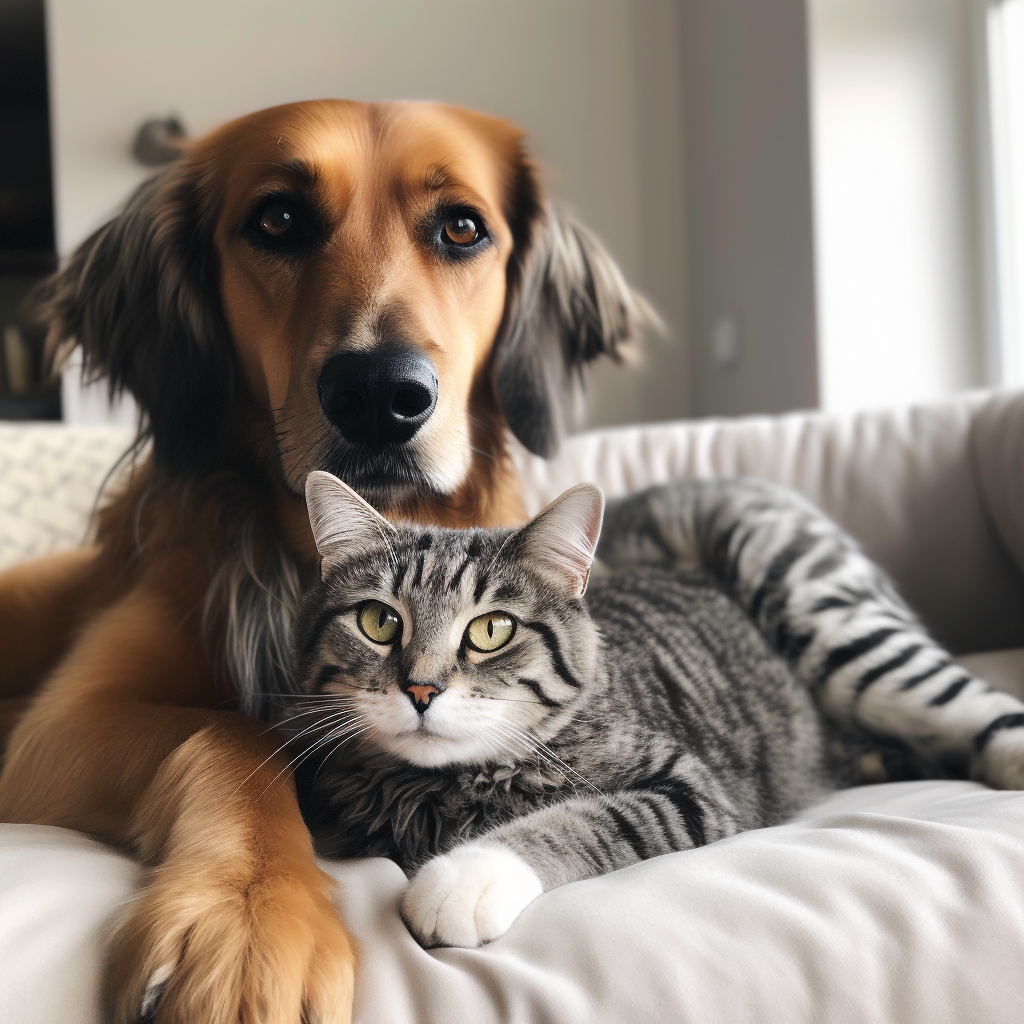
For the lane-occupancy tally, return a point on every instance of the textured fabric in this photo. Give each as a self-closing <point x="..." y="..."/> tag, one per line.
<point x="49" y="478"/>
<point x="908" y="484"/>
<point x="898" y="903"/>
<point x="997" y="443"/>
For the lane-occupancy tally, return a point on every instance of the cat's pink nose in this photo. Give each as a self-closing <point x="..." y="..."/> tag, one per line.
<point x="420" y="694"/>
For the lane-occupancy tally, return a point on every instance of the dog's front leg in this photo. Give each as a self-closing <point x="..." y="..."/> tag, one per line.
<point x="42" y="605"/>
<point x="236" y="918"/>
<point x="236" y="923"/>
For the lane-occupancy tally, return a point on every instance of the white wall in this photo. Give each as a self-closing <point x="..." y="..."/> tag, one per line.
<point x="751" y="261"/>
<point x="897" y="209"/>
<point x="1005" y="39"/>
<point x="595" y="82"/>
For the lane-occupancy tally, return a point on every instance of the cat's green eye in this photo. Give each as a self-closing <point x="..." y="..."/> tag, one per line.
<point x="490" y="632"/>
<point x="379" y="623"/>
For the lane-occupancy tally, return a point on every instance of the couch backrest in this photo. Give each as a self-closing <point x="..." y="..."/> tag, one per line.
<point x="927" y="491"/>
<point x="934" y="493"/>
<point x="49" y="478"/>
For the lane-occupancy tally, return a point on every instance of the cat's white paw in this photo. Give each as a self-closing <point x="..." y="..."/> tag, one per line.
<point x="469" y="896"/>
<point x="1002" y="761"/>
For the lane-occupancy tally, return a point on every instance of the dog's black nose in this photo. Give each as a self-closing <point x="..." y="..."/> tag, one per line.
<point x="378" y="397"/>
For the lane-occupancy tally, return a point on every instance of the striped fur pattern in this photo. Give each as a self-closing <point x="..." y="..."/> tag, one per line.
<point x="833" y="615"/>
<point x="683" y="729"/>
<point x="727" y="667"/>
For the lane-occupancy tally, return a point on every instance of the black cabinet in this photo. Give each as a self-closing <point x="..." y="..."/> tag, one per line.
<point x="27" y="247"/>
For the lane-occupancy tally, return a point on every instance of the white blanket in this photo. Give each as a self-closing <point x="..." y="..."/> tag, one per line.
<point x="899" y="903"/>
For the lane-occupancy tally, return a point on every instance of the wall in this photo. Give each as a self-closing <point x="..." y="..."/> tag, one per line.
<point x="1003" y="215"/>
<point x="748" y="170"/>
<point x="898" y="205"/>
<point x="595" y="82"/>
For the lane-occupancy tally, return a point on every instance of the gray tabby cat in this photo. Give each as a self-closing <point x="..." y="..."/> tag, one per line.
<point x="499" y="736"/>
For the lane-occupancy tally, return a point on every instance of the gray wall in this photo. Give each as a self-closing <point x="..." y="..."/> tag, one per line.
<point x="749" y="208"/>
<point x="659" y="379"/>
<point x="596" y="83"/>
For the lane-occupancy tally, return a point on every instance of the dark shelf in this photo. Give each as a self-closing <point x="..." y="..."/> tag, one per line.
<point x="27" y="261"/>
<point x="31" y="407"/>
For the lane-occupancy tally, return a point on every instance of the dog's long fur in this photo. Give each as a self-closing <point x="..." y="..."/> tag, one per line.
<point x="131" y="650"/>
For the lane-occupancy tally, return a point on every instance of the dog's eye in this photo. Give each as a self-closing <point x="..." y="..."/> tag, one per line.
<point x="276" y="220"/>
<point x="461" y="229"/>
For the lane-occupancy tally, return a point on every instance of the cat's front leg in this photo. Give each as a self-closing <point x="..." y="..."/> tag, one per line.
<point x="472" y="894"/>
<point x="469" y="896"/>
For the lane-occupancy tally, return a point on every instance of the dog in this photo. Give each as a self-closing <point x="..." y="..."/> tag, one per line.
<point x="376" y="290"/>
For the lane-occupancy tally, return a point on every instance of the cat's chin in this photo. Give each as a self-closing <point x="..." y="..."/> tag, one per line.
<point x="432" y="750"/>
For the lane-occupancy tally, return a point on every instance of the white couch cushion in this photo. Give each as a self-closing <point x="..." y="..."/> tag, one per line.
<point x="910" y="484"/>
<point x="899" y="903"/>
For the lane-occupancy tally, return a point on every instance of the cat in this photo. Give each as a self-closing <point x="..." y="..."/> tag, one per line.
<point x="499" y="734"/>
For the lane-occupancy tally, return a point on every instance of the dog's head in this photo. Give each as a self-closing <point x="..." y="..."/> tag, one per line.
<point x="373" y="288"/>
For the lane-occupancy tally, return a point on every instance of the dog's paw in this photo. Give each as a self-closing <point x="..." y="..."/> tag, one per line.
<point x="469" y="896"/>
<point x="267" y="948"/>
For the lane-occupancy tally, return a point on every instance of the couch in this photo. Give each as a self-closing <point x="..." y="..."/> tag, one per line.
<point x="901" y="902"/>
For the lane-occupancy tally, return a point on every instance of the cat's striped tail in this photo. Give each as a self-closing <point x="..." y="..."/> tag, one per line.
<point x="832" y="613"/>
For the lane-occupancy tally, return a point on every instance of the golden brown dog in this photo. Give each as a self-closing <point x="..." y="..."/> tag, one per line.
<point x="375" y="290"/>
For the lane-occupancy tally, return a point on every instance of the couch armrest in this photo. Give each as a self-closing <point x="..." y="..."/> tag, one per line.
<point x="906" y="483"/>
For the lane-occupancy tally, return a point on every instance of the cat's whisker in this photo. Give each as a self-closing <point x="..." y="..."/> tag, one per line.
<point x="552" y="757"/>
<point x="492" y="747"/>
<point x="562" y="765"/>
<point x="300" y="707"/>
<point x="344" y="736"/>
<point x="334" y="720"/>
<point x="295" y="763"/>
<point x="334" y="750"/>
<point x="331" y="714"/>
<point x="291" y="739"/>
<point x="324" y="709"/>
<point x="512" y="700"/>
<point x="284" y="723"/>
<point x="288" y="697"/>
<point x="512" y="738"/>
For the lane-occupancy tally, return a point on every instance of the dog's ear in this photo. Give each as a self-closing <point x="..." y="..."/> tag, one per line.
<point x="567" y="303"/>
<point x="140" y="298"/>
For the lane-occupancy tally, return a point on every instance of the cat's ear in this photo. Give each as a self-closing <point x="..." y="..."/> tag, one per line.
<point x="561" y="540"/>
<point x="343" y="523"/>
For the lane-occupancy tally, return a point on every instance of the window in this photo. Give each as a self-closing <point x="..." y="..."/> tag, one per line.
<point x="1006" y="77"/>
<point x="897" y="218"/>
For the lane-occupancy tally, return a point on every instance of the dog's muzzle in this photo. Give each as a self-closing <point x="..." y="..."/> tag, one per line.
<point x="379" y="397"/>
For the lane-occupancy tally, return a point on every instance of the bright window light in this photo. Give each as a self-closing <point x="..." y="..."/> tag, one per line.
<point x="894" y="235"/>
<point x="1006" y="70"/>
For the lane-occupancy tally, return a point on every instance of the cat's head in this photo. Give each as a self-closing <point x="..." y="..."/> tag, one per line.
<point x="445" y="646"/>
